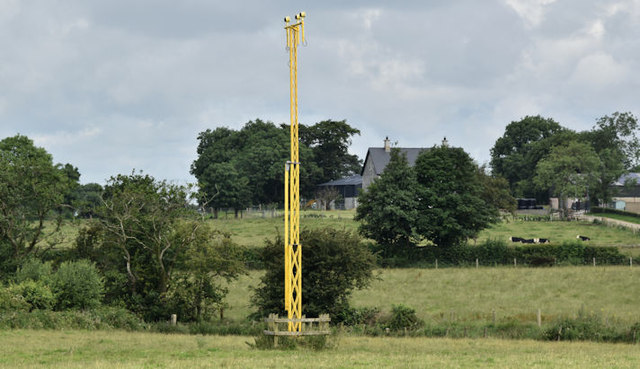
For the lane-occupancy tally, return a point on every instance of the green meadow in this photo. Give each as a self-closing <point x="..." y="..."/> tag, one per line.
<point x="469" y="294"/>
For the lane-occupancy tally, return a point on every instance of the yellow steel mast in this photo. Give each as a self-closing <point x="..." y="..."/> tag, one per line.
<point x="292" y="247"/>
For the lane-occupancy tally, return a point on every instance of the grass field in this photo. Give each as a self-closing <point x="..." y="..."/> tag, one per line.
<point x="601" y="235"/>
<point x="115" y="349"/>
<point x="625" y="218"/>
<point x="253" y="229"/>
<point x="472" y="294"/>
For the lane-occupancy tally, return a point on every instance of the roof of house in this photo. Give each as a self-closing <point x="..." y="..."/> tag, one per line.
<point x="354" y="180"/>
<point x="627" y="177"/>
<point x="380" y="158"/>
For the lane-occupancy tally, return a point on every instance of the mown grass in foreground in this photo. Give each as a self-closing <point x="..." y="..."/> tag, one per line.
<point x="115" y="349"/>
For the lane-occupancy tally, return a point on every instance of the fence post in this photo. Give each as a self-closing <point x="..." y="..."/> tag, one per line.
<point x="275" y="329"/>
<point x="476" y="263"/>
<point x="174" y="319"/>
<point x="436" y="263"/>
<point x="515" y="263"/>
<point x="539" y="318"/>
<point x="594" y="261"/>
<point x="630" y="262"/>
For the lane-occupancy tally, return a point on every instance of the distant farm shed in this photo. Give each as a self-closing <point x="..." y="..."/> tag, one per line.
<point x="347" y="188"/>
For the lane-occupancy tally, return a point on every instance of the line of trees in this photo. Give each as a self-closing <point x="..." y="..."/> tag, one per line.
<point x="443" y="200"/>
<point x="144" y="248"/>
<point x="237" y="169"/>
<point x="539" y="157"/>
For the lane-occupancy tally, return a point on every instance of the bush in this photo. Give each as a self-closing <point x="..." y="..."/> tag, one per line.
<point x="102" y="318"/>
<point x="77" y="285"/>
<point x="36" y="294"/>
<point x="9" y="301"/>
<point x="354" y="316"/>
<point x="335" y="263"/>
<point x="403" y="317"/>
<point x="498" y="252"/>
<point x="582" y="328"/>
<point x="35" y="270"/>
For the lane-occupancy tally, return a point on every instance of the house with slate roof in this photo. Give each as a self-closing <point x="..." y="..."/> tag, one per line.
<point x="378" y="157"/>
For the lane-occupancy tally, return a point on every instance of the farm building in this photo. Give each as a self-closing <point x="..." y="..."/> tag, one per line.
<point x="347" y="189"/>
<point x="626" y="194"/>
<point x="378" y="157"/>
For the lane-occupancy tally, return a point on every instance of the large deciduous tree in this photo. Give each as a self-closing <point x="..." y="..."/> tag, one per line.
<point x="614" y="138"/>
<point x="149" y="235"/>
<point x="451" y="204"/>
<point x="31" y="187"/>
<point x="515" y="155"/>
<point x="330" y="140"/>
<point x="569" y="170"/>
<point x="387" y="211"/>
<point x="258" y="153"/>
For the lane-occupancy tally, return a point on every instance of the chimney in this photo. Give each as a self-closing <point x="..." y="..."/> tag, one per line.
<point x="445" y="143"/>
<point x="387" y="145"/>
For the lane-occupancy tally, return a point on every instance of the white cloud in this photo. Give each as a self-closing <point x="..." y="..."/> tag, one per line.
<point x="531" y="11"/>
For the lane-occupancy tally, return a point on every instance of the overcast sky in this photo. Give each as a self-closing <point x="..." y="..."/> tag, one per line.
<point x="110" y="86"/>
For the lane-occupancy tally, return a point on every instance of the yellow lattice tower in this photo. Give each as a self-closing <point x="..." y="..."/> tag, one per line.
<point x="292" y="247"/>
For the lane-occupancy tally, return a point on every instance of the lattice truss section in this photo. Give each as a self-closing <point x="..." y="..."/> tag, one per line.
<point x="292" y="247"/>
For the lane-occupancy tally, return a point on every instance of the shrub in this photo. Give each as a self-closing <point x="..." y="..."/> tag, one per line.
<point x="587" y="327"/>
<point x="35" y="293"/>
<point x="363" y="315"/>
<point x="9" y="301"/>
<point x="403" y="317"/>
<point x="35" y="270"/>
<point x="335" y="263"/>
<point x="77" y="284"/>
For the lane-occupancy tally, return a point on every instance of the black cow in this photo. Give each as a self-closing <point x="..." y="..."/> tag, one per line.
<point x="530" y="240"/>
<point x="542" y="240"/>
<point x="516" y="239"/>
<point x="583" y="238"/>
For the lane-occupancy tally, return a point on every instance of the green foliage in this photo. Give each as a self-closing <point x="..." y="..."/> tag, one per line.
<point x="452" y="207"/>
<point x="404" y="318"/>
<point x="496" y="192"/>
<point x="569" y="171"/>
<point x="334" y="264"/>
<point x="195" y="293"/>
<point x="387" y="211"/>
<point x="86" y="199"/>
<point x="598" y="210"/>
<point x="257" y="154"/>
<point x="515" y="155"/>
<point x="35" y="270"/>
<point x="496" y="252"/>
<point x="329" y="141"/>
<point x="30" y="188"/>
<point x="35" y="293"/>
<point x="94" y="319"/>
<point x="359" y="315"/>
<point x="12" y="302"/>
<point x="239" y="168"/>
<point x="584" y="327"/>
<point x="77" y="285"/>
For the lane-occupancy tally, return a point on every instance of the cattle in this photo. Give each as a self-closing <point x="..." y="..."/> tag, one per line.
<point x="530" y="240"/>
<point x="516" y="239"/>
<point x="542" y="240"/>
<point x="583" y="238"/>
